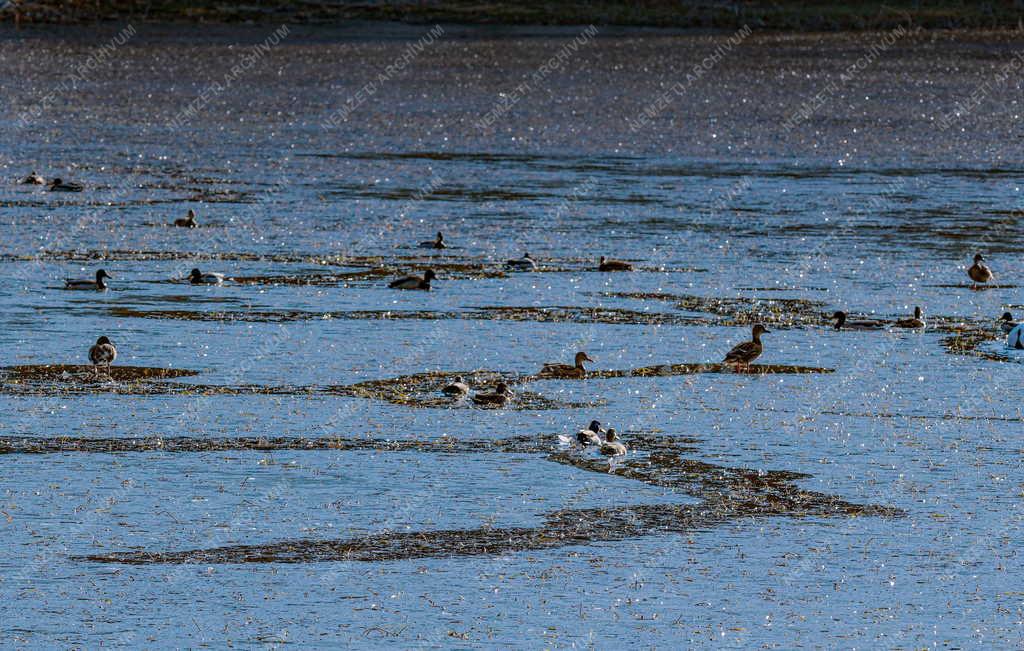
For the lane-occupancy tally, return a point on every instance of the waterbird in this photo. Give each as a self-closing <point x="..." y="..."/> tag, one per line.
<point x="613" y="265"/>
<point x="437" y="243"/>
<point x="97" y="284"/>
<point x="197" y="277"/>
<point x="103" y="353"/>
<point x="414" y="282"/>
<point x="58" y="185"/>
<point x="1015" y="338"/>
<point x="591" y="435"/>
<point x="572" y="370"/>
<point x="33" y="179"/>
<point x="747" y="351"/>
<point x="456" y="388"/>
<point x="501" y="395"/>
<point x="843" y="322"/>
<point x="611" y="446"/>
<point x="916" y="322"/>
<point x="979" y="271"/>
<point x="188" y="221"/>
<point x="525" y="263"/>
<point x="1007" y="323"/>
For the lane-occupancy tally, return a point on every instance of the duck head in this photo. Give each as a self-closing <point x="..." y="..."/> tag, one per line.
<point x="458" y="380"/>
<point x="840" y="318"/>
<point x="759" y="330"/>
<point x="102" y="341"/>
<point x="595" y="427"/>
<point x="917" y="312"/>
<point x="582" y="357"/>
<point x="56" y="182"/>
<point x="1006" y="317"/>
<point x="191" y="215"/>
<point x="601" y="261"/>
<point x="978" y="258"/>
<point x="503" y="389"/>
<point x="101" y="274"/>
<point x="195" y="275"/>
<point x="611" y="435"/>
<point x="429" y="275"/>
<point x="440" y="237"/>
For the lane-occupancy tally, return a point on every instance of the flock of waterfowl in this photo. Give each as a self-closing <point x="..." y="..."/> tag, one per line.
<point x="104" y="353"/>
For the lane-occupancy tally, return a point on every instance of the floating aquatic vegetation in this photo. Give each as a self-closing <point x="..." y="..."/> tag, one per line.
<point x="778" y="312"/>
<point x="86" y="374"/>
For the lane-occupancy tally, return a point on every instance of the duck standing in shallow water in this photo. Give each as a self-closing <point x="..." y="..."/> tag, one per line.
<point x="612" y="446"/>
<point x="414" y="282"/>
<point x="437" y="243"/>
<point x="525" y="263"/>
<point x="916" y="322"/>
<point x="842" y="322"/>
<point x="748" y="351"/>
<point x="1006" y="322"/>
<point x="979" y="271"/>
<point x="502" y="394"/>
<point x="95" y="285"/>
<point x="456" y="388"/>
<point x="613" y="265"/>
<point x="568" y="370"/>
<point x="591" y="435"/>
<point x="59" y="185"/>
<point x="197" y="277"/>
<point x="102" y="354"/>
<point x="33" y="179"/>
<point x="188" y="221"/>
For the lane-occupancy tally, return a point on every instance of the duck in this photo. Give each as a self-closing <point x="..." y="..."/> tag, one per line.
<point x="414" y="282"/>
<point x="574" y="370"/>
<point x="611" y="446"/>
<point x="916" y="322"/>
<point x="102" y="353"/>
<point x="437" y="243"/>
<point x="1007" y="323"/>
<point x="58" y="185"/>
<point x="525" y="263"/>
<point x="842" y="322"/>
<point x="457" y="387"/>
<point x="197" y="277"/>
<point x="97" y="284"/>
<point x="33" y="179"/>
<point x="1015" y="338"/>
<point x="605" y="264"/>
<point x="979" y="271"/>
<point x="502" y="394"/>
<point x="748" y="351"/>
<point x="591" y="435"/>
<point x="187" y="222"/>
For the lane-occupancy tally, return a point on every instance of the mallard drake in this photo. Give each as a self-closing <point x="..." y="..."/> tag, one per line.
<point x="97" y="284"/>
<point x="456" y="388"/>
<point x="525" y="263"/>
<point x="842" y="322"/>
<point x="613" y="265"/>
<point x="1007" y="323"/>
<point x="187" y="222"/>
<point x="979" y="272"/>
<point x="58" y="185"/>
<point x="502" y="394"/>
<point x="103" y="353"/>
<point x="916" y="322"/>
<point x="197" y="277"/>
<point x="437" y="243"/>
<point x="611" y="446"/>
<point x="1015" y="338"/>
<point x="414" y="282"/>
<point x="33" y="179"/>
<point x="575" y="370"/>
<point x="748" y="351"/>
<point x="591" y="435"/>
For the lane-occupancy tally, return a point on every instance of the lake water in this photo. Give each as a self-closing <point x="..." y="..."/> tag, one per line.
<point x="279" y="497"/>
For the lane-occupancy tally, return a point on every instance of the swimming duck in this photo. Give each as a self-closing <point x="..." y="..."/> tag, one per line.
<point x="103" y="353"/>
<point x="456" y="388"/>
<point x="591" y="435"/>
<point x="58" y="185"/>
<point x="842" y="322"/>
<point x="916" y="322"/>
<point x="502" y="394"/>
<point x="1007" y="323"/>
<point x="748" y="351"/>
<point x="611" y="446"/>
<point x="97" y="284"/>
<point x="525" y="263"/>
<point x="187" y="222"/>
<point x="197" y="277"/>
<point x="1015" y="338"/>
<point x="979" y="272"/>
<point x="414" y="282"/>
<point x="613" y="265"/>
<point x="33" y="179"/>
<point x="435" y="243"/>
<point x="575" y="370"/>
